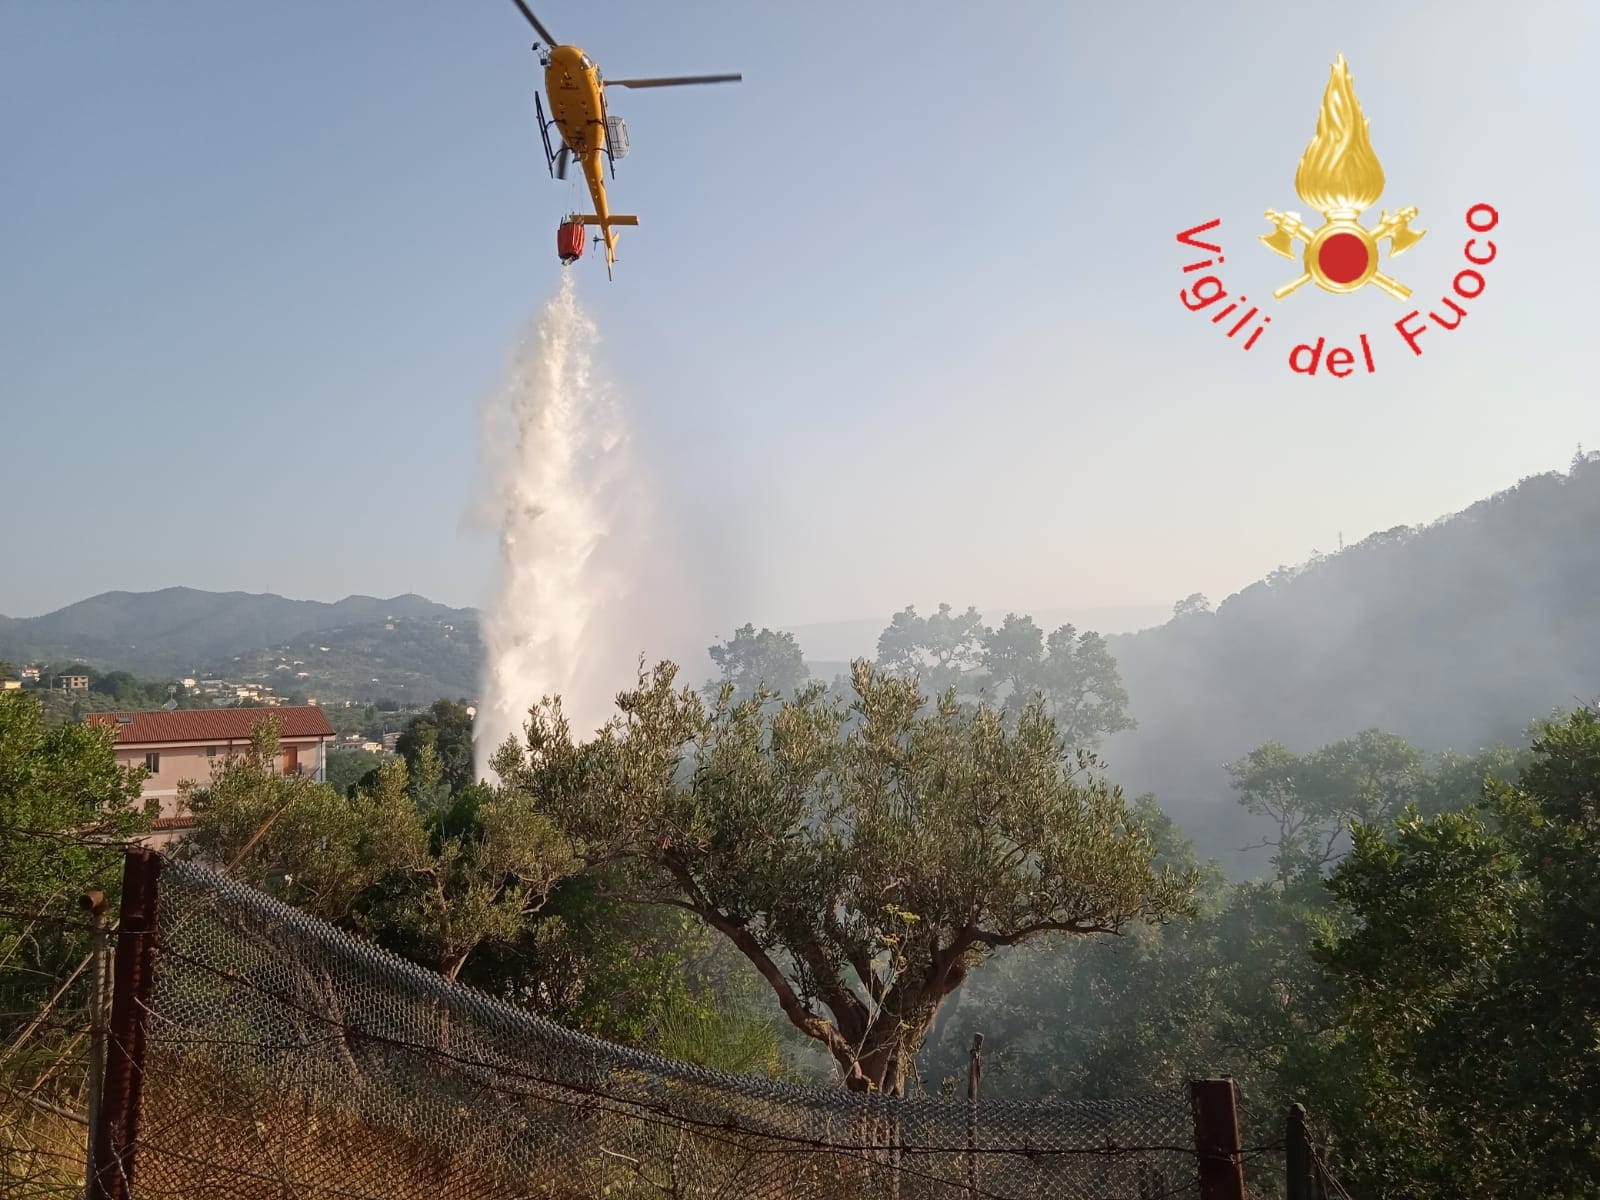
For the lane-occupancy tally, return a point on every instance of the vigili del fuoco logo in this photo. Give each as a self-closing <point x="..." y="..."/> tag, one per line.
<point x="1340" y="177"/>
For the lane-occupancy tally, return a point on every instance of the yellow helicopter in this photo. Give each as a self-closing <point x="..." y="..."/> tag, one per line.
<point x="576" y="91"/>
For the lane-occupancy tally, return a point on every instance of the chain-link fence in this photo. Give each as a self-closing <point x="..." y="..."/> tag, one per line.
<point x="285" y="1059"/>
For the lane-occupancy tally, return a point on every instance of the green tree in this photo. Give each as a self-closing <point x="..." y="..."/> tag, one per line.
<point x="1268" y="781"/>
<point x="1013" y="654"/>
<point x="1455" y="782"/>
<point x="1236" y="989"/>
<point x="61" y="794"/>
<point x="750" y="660"/>
<point x="1364" y="779"/>
<point x="1074" y="674"/>
<point x="346" y="768"/>
<point x="66" y="810"/>
<point x="439" y="885"/>
<point x="1106" y="1017"/>
<point x="864" y="867"/>
<point x="1315" y="798"/>
<point x="608" y="969"/>
<point x="941" y="651"/>
<point x="1080" y="682"/>
<point x="1464" y="1061"/>
<point x="490" y="864"/>
<point x="118" y="684"/>
<point x="302" y="840"/>
<point x="447" y="728"/>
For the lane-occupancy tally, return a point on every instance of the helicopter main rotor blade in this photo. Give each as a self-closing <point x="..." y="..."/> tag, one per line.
<point x="549" y="39"/>
<point x="671" y="80"/>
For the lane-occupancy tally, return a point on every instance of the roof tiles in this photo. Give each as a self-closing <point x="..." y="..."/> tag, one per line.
<point x="212" y="725"/>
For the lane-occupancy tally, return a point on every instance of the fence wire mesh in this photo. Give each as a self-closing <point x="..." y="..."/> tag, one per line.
<point x="286" y="1059"/>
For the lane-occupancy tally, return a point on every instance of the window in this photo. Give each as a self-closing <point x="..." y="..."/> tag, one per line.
<point x="211" y="751"/>
<point x="152" y="763"/>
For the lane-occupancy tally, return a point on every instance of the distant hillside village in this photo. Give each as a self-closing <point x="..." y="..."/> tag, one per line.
<point x="92" y="690"/>
<point x="77" y="678"/>
<point x="219" y="693"/>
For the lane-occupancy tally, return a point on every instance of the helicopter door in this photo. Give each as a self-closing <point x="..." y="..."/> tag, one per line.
<point x="616" y="137"/>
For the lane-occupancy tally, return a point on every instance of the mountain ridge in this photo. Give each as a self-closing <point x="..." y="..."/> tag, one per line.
<point x="180" y="630"/>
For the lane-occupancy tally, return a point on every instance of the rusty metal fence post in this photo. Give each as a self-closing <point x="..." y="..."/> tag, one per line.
<point x="1297" y="1152"/>
<point x="95" y="902"/>
<point x="112" y="1139"/>
<point x="1216" y="1139"/>
<point x="974" y="1075"/>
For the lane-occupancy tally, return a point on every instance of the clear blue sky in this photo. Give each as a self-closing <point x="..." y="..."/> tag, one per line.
<point x="900" y="324"/>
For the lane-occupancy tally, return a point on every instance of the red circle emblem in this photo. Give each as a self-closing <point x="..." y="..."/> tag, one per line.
<point x="1343" y="258"/>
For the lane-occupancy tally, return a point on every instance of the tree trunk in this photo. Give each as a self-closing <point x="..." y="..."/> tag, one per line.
<point x="894" y="1078"/>
<point x="881" y="1068"/>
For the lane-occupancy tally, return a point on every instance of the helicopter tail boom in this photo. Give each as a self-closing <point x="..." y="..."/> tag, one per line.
<point x="606" y="222"/>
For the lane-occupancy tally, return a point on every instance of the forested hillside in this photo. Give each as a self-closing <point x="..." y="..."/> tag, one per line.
<point x="408" y="660"/>
<point x="179" y="630"/>
<point x="1451" y="635"/>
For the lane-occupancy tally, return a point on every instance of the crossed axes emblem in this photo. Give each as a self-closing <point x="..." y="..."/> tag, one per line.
<point x="1396" y="228"/>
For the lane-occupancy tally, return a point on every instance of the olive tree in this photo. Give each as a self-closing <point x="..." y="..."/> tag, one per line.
<point x="446" y="880"/>
<point x="863" y="855"/>
<point x="750" y="660"/>
<point x="312" y="846"/>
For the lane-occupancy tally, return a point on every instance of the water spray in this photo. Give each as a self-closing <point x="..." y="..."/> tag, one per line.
<point x="555" y="451"/>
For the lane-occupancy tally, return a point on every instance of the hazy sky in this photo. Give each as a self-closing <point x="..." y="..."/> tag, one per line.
<point x="901" y="323"/>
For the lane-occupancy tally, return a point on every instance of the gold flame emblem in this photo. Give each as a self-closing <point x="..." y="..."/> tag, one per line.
<point x="1340" y="176"/>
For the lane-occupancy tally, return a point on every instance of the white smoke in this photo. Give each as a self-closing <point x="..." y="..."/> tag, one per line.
<point x="566" y="617"/>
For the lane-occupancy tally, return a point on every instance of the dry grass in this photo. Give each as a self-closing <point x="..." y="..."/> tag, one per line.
<point x="209" y="1133"/>
<point x="41" y="1153"/>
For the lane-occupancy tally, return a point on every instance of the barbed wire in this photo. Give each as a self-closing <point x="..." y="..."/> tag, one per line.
<point x="77" y="924"/>
<point x="1186" y="1188"/>
<point x="630" y="1108"/>
<point x="342" y="1032"/>
<point x="100" y="836"/>
<point x="1326" y="1172"/>
<point x="519" y="1081"/>
<point x="243" y="980"/>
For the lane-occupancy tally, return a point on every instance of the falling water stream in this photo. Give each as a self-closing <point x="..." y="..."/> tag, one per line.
<point x="557" y="489"/>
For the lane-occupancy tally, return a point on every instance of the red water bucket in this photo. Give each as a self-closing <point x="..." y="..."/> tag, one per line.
<point x="570" y="239"/>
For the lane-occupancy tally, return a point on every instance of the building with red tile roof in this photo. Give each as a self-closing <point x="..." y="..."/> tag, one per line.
<point x="182" y="746"/>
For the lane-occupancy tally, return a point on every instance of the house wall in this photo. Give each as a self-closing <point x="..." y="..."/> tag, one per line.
<point x="178" y="764"/>
<point x="189" y="762"/>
